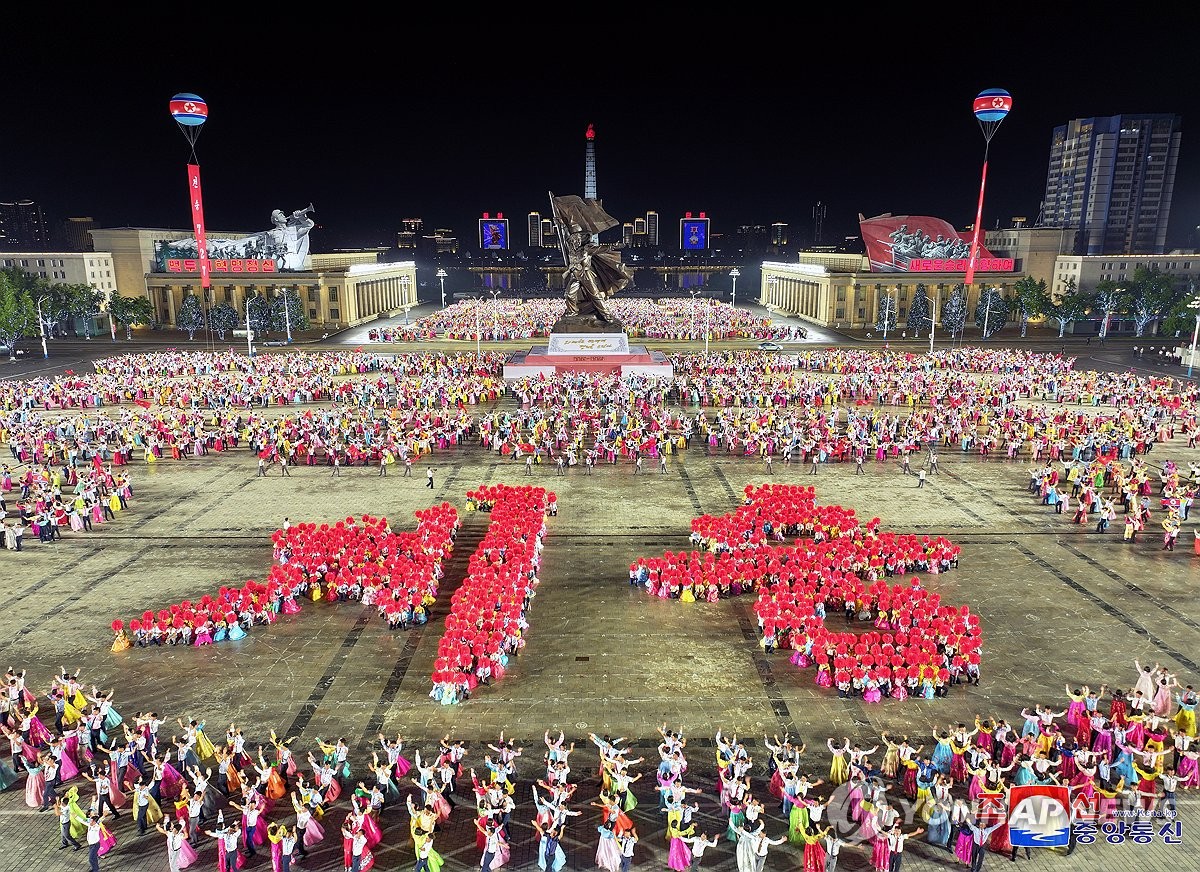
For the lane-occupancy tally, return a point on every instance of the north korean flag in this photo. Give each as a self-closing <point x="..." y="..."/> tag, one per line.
<point x="993" y="104"/>
<point x="189" y="109"/>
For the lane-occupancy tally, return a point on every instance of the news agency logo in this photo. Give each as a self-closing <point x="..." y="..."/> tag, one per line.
<point x="1039" y="816"/>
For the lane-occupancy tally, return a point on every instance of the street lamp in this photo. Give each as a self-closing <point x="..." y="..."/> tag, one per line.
<point x="1195" y="306"/>
<point x="405" y="284"/>
<point x="707" y="315"/>
<point x="733" y="274"/>
<point x="888" y="312"/>
<point x="287" y="315"/>
<point x="933" y="321"/>
<point x="441" y="276"/>
<point x="42" y="330"/>
<point x="477" y="300"/>
<point x="495" y="292"/>
<point x="987" y="311"/>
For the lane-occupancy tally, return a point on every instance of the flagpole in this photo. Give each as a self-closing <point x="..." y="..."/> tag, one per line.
<point x="970" y="276"/>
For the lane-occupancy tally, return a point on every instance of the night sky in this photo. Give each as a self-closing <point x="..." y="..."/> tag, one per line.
<point x="751" y="122"/>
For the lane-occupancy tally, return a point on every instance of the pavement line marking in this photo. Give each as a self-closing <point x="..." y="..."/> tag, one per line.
<point x="691" y="490"/>
<point x="1107" y="607"/>
<point x="720" y="474"/>
<point x="1129" y="585"/>
<point x="305" y="715"/>
<point x="58" y="608"/>
<point x="762" y="666"/>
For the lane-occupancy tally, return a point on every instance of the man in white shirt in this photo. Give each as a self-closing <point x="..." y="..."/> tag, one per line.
<point x="358" y="844"/>
<point x="228" y="837"/>
<point x="979" y="841"/>
<point x="141" y="804"/>
<point x="64" y="825"/>
<point x="175" y="838"/>
<point x="760" y="844"/>
<point x="287" y="844"/>
<point x="625" y="841"/>
<point x="93" y="841"/>
<point x="896" y="839"/>
<point x="491" y="845"/>
<point x="49" y="792"/>
<point x="833" y="848"/>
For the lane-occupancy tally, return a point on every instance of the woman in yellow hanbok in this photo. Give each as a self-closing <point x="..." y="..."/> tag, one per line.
<point x="422" y="842"/>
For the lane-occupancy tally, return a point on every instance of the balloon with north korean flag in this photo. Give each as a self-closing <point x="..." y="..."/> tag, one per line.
<point x="190" y="112"/>
<point x="991" y="108"/>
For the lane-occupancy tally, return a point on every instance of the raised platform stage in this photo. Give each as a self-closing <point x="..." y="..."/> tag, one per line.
<point x="573" y="353"/>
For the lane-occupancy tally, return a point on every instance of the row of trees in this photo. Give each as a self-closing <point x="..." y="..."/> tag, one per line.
<point x="1150" y="296"/>
<point x="283" y="313"/>
<point x="31" y="305"/>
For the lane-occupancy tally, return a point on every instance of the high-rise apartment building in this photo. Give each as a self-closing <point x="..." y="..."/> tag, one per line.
<point x="75" y="234"/>
<point x="779" y="233"/>
<point x="652" y="229"/>
<point x="533" y="226"/>
<point x="22" y="226"/>
<point x="408" y="234"/>
<point x="1111" y="180"/>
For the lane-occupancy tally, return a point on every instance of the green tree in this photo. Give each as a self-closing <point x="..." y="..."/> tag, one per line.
<point x="954" y="312"/>
<point x="258" y="314"/>
<point x="1152" y="295"/>
<point x="1109" y="300"/>
<point x="130" y="312"/>
<point x="990" y="313"/>
<point x="85" y="303"/>
<point x="1070" y="305"/>
<point x="1030" y="298"/>
<point x="17" y="315"/>
<point x="223" y="318"/>
<point x="35" y="288"/>
<point x="918" y="320"/>
<point x="58" y="306"/>
<point x="287" y="312"/>
<point x="190" y="316"/>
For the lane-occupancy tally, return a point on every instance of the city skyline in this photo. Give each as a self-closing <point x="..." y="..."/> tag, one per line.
<point x="871" y="138"/>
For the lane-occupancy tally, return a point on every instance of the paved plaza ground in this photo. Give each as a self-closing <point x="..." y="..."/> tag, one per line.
<point x="1059" y="604"/>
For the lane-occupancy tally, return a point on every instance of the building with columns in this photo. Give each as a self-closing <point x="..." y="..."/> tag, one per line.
<point x="840" y="291"/>
<point x="338" y="290"/>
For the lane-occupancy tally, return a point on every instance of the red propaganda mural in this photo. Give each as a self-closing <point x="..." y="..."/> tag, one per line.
<point x="919" y="243"/>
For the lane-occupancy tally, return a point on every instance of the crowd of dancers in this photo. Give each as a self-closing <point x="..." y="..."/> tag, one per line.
<point x="1124" y="750"/>
<point x="679" y="318"/>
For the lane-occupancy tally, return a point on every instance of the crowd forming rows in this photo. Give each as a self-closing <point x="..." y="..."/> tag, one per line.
<point x="835" y="564"/>
<point x="1125" y="749"/>
<point x="663" y="319"/>
<point x="361" y="408"/>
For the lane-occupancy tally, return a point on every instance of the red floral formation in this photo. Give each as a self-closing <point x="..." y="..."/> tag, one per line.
<point x="326" y="561"/>
<point x="486" y="623"/>
<point x="834" y="564"/>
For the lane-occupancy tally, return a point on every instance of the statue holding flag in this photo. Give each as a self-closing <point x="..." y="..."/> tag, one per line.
<point x="594" y="270"/>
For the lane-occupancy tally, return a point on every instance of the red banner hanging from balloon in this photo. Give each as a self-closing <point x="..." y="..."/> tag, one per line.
<point x="197" y="204"/>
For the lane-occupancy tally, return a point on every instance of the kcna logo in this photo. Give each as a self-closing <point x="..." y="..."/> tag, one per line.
<point x="1039" y="816"/>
